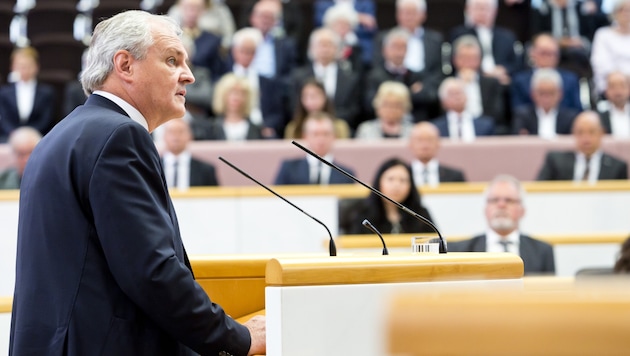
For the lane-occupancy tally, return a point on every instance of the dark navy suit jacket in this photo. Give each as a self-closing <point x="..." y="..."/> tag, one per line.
<point x="42" y="117"/>
<point x="101" y="268"/>
<point x="560" y="165"/>
<point x="525" y="118"/>
<point x="295" y="171"/>
<point x="520" y="89"/>
<point x="537" y="256"/>
<point x="484" y="126"/>
<point x="208" y="54"/>
<point x="503" y="41"/>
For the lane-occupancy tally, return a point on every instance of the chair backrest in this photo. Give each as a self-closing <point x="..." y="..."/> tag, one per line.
<point x="59" y="52"/>
<point x="6" y="47"/>
<point x="108" y="9"/>
<point x="48" y="18"/>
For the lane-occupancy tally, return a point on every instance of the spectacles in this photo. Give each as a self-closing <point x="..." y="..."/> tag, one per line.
<point x="508" y="201"/>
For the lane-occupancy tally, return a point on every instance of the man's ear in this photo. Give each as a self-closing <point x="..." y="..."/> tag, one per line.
<point x="123" y="67"/>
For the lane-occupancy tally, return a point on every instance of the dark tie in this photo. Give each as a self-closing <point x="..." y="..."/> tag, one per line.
<point x="425" y="175"/>
<point x="460" y="124"/>
<point x="318" y="173"/>
<point x="175" y="173"/>
<point x="505" y="244"/>
<point x="587" y="169"/>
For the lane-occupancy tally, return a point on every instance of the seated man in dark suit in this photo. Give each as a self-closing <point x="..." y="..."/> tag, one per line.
<point x="180" y="168"/>
<point x="499" y="57"/>
<point x="318" y="134"/>
<point x="268" y="102"/>
<point x="341" y="84"/>
<point x="485" y="94"/>
<point x="26" y="102"/>
<point x="616" y="118"/>
<point x="457" y="123"/>
<point x="545" y="53"/>
<point x="504" y="211"/>
<point x="424" y="144"/>
<point x="588" y="163"/>
<point x="545" y="117"/>
<point x="422" y="86"/>
<point x="22" y="141"/>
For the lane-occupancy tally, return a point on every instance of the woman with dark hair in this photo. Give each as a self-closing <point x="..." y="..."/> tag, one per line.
<point x="313" y="99"/>
<point x="623" y="263"/>
<point x="393" y="179"/>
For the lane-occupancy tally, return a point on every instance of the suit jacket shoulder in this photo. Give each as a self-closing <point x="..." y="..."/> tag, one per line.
<point x="450" y="174"/>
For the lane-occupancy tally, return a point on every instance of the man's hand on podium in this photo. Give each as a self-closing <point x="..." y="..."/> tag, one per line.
<point x="258" y="332"/>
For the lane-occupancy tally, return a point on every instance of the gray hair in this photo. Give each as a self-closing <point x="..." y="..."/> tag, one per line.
<point x="130" y="31"/>
<point x="24" y="134"/>
<point x="494" y="3"/>
<point x="618" y="5"/>
<point x="546" y="75"/>
<point x="341" y="11"/>
<point x="247" y="33"/>
<point x="394" y="34"/>
<point x="448" y="83"/>
<point x="505" y="178"/>
<point x="316" y="34"/>
<point x="421" y="5"/>
<point x="466" y="41"/>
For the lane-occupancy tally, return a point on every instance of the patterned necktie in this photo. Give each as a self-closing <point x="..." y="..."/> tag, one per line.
<point x="505" y="244"/>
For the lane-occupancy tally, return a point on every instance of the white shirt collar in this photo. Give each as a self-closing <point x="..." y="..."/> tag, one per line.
<point x="493" y="245"/>
<point x="133" y="113"/>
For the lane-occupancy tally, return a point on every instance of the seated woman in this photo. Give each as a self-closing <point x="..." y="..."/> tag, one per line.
<point x="392" y="104"/>
<point x="231" y="100"/>
<point x="394" y="179"/>
<point x="313" y="99"/>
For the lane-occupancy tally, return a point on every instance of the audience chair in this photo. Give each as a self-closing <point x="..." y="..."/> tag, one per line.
<point x="50" y="18"/>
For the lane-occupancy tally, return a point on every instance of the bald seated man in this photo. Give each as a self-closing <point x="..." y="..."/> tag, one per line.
<point x="588" y="162"/>
<point x="424" y="144"/>
<point x="22" y="141"/>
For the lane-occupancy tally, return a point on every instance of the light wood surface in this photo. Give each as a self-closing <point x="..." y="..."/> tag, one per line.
<point x="575" y="321"/>
<point x="5" y="304"/>
<point x="393" y="268"/>
<point x="404" y="240"/>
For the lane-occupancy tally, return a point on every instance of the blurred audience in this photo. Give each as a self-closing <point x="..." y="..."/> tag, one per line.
<point x="588" y="163"/>
<point x="344" y="20"/>
<point x="394" y="179"/>
<point x="268" y="97"/>
<point x="504" y="210"/>
<point x="276" y="55"/>
<point x="216" y="18"/>
<point x="545" y="117"/>
<point x="26" y="101"/>
<point x="484" y="94"/>
<point x="499" y="58"/>
<point x="616" y="117"/>
<point x="22" y="142"/>
<point x="232" y="103"/>
<point x="457" y="123"/>
<point x="424" y="144"/>
<point x="181" y="170"/>
<point x="318" y="134"/>
<point x="289" y="23"/>
<point x="392" y="104"/>
<point x="366" y="18"/>
<point x="611" y="46"/>
<point x="313" y="99"/>
<point x="342" y="85"/>
<point x="545" y="53"/>
<point x="421" y="85"/>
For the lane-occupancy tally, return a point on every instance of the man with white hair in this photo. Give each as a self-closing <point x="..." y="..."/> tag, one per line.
<point x="545" y="117"/>
<point x="499" y="57"/>
<point x="424" y="48"/>
<point x="457" y="123"/>
<point x="22" y="141"/>
<point x="268" y="94"/>
<point x="504" y="210"/>
<point x="341" y="84"/>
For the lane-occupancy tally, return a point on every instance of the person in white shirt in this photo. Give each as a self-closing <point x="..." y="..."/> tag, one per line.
<point x="545" y="117"/>
<point x="457" y="123"/>
<point x="616" y="118"/>
<point x="424" y="144"/>
<point x="504" y="210"/>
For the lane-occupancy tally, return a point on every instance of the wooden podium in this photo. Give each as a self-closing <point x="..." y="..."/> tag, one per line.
<point x="336" y="305"/>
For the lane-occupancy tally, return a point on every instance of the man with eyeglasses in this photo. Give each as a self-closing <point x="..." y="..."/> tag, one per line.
<point x="504" y="210"/>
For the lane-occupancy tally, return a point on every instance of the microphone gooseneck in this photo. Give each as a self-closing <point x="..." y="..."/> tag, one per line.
<point x="371" y="227"/>
<point x="443" y="248"/>
<point x="332" y="248"/>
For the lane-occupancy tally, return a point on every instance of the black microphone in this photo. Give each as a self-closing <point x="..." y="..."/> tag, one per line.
<point x="332" y="248"/>
<point x="443" y="248"/>
<point x="371" y="227"/>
